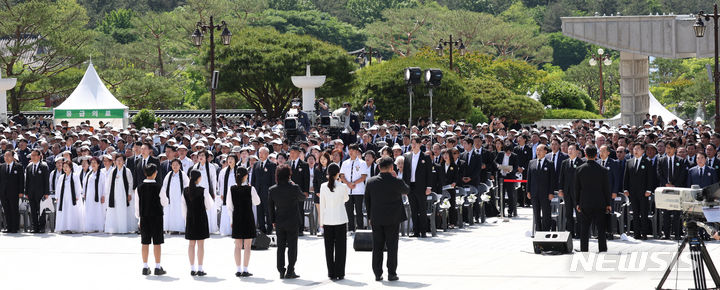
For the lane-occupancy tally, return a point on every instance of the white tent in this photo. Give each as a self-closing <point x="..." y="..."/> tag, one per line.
<point x="656" y="108"/>
<point x="92" y="101"/>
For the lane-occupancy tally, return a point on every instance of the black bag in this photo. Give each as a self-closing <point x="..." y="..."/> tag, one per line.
<point x="261" y="241"/>
<point x="363" y="241"/>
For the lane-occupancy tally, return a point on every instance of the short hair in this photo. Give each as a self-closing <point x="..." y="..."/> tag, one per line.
<point x="150" y="169"/>
<point x="282" y="174"/>
<point x="591" y="151"/>
<point x="671" y="144"/>
<point x="385" y="162"/>
<point x="354" y="146"/>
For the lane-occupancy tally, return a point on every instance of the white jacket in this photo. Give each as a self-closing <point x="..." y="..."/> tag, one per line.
<point x="332" y="204"/>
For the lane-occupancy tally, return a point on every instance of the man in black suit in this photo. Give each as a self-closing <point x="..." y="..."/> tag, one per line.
<point x="556" y="156"/>
<point x="593" y="199"/>
<point x="284" y="216"/>
<point x="472" y="168"/>
<point x="524" y="153"/>
<point x="37" y="187"/>
<point x="263" y="177"/>
<point x="702" y="175"/>
<point x="301" y="177"/>
<point x="383" y="200"/>
<point x="508" y="158"/>
<point x="712" y="161"/>
<point x="638" y="185"/>
<point x="166" y="165"/>
<point x="541" y="187"/>
<point x="12" y="182"/>
<point x="566" y="186"/>
<point x="417" y="173"/>
<point x="145" y="158"/>
<point x="672" y="171"/>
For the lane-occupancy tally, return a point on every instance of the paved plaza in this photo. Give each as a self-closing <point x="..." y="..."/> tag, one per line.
<point x="495" y="255"/>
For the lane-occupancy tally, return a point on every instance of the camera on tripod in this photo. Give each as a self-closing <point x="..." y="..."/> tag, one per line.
<point x="688" y="200"/>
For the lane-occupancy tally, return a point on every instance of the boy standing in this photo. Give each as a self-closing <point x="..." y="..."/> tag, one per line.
<point x="149" y="203"/>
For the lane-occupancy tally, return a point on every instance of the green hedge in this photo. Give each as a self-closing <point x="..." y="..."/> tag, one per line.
<point x="570" y="114"/>
<point x="476" y="116"/>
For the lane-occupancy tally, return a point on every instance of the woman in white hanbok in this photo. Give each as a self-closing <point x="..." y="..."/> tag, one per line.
<point x="55" y="174"/>
<point x="94" y="188"/>
<point x="70" y="209"/>
<point x="173" y="185"/>
<point x="225" y="181"/>
<point x="120" y="217"/>
<point x="208" y="180"/>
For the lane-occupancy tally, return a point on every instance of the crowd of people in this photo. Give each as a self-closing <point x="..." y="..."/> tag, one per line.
<point x="247" y="178"/>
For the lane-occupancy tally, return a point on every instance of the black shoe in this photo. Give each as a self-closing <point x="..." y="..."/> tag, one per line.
<point x="300" y="234"/>
<point x="643" y="237"/>
<point x="146" y="271"/>
<point x="423" y="235"/>
<point x="341" y="277"/>
<point x="393" y="278"/>
<point x="291" y="275"/>
<point x="238" y="274"/>
<point x="159" y="271"/>
<point x="282" y="275"/>
<point x="332" y="278"/>
<point x="415" y="236"/>
<point x="246" y="274"/>
<point x="378" y="278"/>
<point x="193" y="273"/>
<point x="201" y="273"/>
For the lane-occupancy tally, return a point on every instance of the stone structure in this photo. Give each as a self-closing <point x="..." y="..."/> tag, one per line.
<point x="308" y="83"/>
<point x="5" y="85"/>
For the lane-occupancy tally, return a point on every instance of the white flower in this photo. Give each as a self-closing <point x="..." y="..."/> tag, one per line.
<point x="485" y="198"/>
<point x="445" y="204"/>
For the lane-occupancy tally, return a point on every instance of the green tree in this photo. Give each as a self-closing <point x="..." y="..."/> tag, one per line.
<point x="493" y="99"/>
<point x="260" y="61"/>
<point x="516" y="75"/>
<point x="403" y="30"/>
<point x="368" y="11"/>
<point x="564" y="95"/>
<point x="145" y="119"/>
<point x="567" y="51"/>
<point x="118" y="24"/>
<point x="320" y="25"/>
<point x="288" y="5"/>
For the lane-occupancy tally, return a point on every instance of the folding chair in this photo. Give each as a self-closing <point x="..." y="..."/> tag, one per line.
<point x="459" y="202"/>
<point x="405" y="225"/>
<point x="309" y="212"/>
<point x="432" y="205"/>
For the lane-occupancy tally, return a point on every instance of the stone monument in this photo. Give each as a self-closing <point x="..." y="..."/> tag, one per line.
<point x="5" y="85"/>
<point x="308" y="83"/>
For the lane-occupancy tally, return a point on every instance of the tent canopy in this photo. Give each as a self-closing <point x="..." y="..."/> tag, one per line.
<point x="91" y="100"/>
<point x="656" y="108"/>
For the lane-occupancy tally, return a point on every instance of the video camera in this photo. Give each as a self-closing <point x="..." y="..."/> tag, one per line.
<point x="688" y="200"/>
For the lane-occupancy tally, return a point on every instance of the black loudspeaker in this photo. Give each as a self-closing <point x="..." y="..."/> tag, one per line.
<point x="553" y="241"/>
<point x="261" y="241"/>
<point x="363" y="241"/>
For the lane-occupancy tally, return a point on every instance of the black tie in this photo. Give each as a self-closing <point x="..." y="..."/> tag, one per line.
<point x="604" y="163"/>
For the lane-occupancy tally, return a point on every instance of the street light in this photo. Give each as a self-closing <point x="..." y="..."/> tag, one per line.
<point x="699" y="28"/>
<point x="459" y="43"/>
<point x="604" y="58"/>
<point x="197" y="39"/>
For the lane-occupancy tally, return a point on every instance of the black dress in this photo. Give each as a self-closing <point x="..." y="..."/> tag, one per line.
<point x="319" y="179"/>
<point x="196" y="220"/>
<point x="243" y="222"/>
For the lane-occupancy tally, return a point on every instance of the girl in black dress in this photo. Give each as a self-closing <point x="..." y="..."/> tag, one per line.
<point x="240" y="203"/>
<point x="196" y="203"/>
<point x="320" y="178"/>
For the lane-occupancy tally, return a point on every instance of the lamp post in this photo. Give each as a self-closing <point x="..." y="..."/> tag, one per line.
<point x="699" y="28"/>
<point x="367" y="54"/>
<point x="459" y="43"/>
<point x="197" y="38"/>
<point x="600" y="59"/>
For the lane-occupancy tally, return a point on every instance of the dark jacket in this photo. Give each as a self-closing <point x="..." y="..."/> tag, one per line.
<point x="149" y="199"/>
<point x="263" y="177"/>
<point x="474" y="169"/>
<point x="708" y="177"/>
<point x="541" y="182"/>
<point x="37" y="183"/>
<point x="593" y="191"/>
<point x="567" y="179"/>
<point x="12" y="182"/>
<point x="284" y="211"/>
<point x="301" y="174"/>
<point x="139" y="171"/>
<point x="383" y="199"/>
<point x="639" y="180"/>
<point x="678" y="176"/>
<point x="423" y="172"/>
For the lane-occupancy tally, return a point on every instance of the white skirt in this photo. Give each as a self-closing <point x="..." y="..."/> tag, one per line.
<point x="94" y="216"/>
<point x="173" y="219"/>
<point x="213" y="219"/>
<point x="225" y="222"/>
<point x="71" y="217"/>
<point x="117" y="218"/>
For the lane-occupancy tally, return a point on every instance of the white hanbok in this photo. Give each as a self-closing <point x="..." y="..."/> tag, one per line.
<point x="54" y="177"/>
<point x="213" y="211"/>
<point x="94" y="208"/>
<point x="121" y="217"/>
<point x="173" y="219"/>
<point x="69" y="216"/>
<point x="223" y="191"/>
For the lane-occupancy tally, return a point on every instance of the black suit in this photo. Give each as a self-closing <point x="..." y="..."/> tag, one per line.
<point x="283" y="200"/>
<point x="639" y="179"/>
<point x="445" y="177"/>
<point x="163" y="169"/>
<point x="383" y="200"/>
<point x="675" y="173"/>
<point x="301" y="177"/>
<point x="593" y="198"/>
<point x="567" y="180"/>
<point x="37" y="185"/>
<point x="541" y="183"/>
<point x="524" y="154"/>
<point x="12" y="183"/>
<point x="263" y="177"/>
<point x="139" y="170"/>
<point x="417" y="197"/>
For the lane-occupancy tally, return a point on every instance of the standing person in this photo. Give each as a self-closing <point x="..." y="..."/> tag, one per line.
<point x="541" y="185"/>
<point x="354" y="171"/>
<point x="447" y="176"/>
<point x="417" y="173"/>
<point x="173" y="186"/>
<point x="333" y="196"/>
<point x="638" y="183"/>
<point x="240" y="202"/>
<point x="320" y="178"/>
<point x="369" y="108"/>
<point x="118" y="185"/>
<point x="149" y="203"/>
<point x="12" y="183"/>
<point x="195" y="206"/>
<point x="386" y="211"/>
<point x="37" y="188"/>
<point x="285" y="216"/>
<point x="143" y="160"/>
<point x="701" y="174"/>
<point x="672" y="171"/>
<point x="566" y="186"/>
<point x="226" y="181"/>
<point x="301" y="177"/>
<point x="94" y="189"/>
<point x="208" y="181"/>
<point x="508" y="158"/>
<point x="524" y="153"/>
<point x="263" y="177"/>
<point x="593" y="199"/>
<point x="70" y="210"/>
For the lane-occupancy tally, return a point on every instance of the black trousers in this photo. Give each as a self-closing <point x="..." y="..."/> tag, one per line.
<point x="37" y="220"/>
<point x="418" y="211"/>
<point x="569" y="213"/>
<point x="672" y="223"/>
<point x="355" y="219"/>
<point x="286" y="238"/>
<point x="509" y="189"/>
<point x="301" y="210"/>
<point x="541" y="212"/>
<point x="385" y="236"/>
<point x="263" y="216"/>
<point x="639" y="205"/>
<point x="12" y="213"/>
<point x="587" y="218"/>
<point x="335" y="249"/>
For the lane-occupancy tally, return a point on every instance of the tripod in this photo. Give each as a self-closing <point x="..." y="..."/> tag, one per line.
<point x="699" y="257"/>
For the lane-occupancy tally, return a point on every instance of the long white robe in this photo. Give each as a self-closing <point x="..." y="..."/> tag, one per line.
<point x="213" y="211"/>
<point x="94" y="210"/>
<point x="70" y="218"/>
<point x="173" y="219"/>
<point x="121" y="218"/>
<point x="225" y="215"/>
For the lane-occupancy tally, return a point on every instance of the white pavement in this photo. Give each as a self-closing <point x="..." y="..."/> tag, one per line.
<point x="489" y="256"/>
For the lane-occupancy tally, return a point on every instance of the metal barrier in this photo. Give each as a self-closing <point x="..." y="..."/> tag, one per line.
<point x="405" y="225"/>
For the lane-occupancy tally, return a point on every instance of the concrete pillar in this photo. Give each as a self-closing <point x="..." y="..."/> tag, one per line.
<point x="5" y="85"/>
<point x="634" y="87"/>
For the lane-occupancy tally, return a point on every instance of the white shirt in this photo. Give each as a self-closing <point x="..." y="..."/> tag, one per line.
<point x="415" y="160"/>
<point x="505" y="162"/>
<point x="332" y="204"/>
<point x="354" y="170"/>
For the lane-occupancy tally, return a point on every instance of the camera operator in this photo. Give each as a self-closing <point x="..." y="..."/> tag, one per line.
<point x="351" y="125"/>
<point x="369" y="108"/>
<point x="321" y="108"/>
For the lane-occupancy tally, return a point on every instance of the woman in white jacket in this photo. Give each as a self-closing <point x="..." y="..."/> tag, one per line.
<point x="333" y="195"/>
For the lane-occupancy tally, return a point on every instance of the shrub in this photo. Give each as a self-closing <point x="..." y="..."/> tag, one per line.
<point x="145" y="119"/>
<point x="571" y="114"/>
<point x="476" y="116"/>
